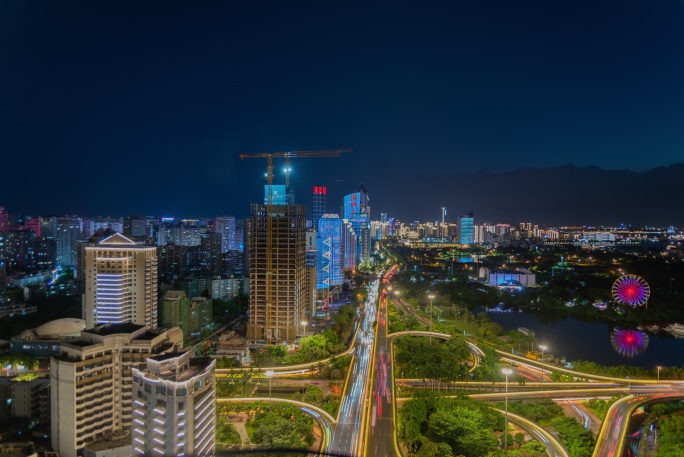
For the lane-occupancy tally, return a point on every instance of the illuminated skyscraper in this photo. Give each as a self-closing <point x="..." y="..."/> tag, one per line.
<point x="329" y="245"/>
<point x="318" y="196"/>
<point x="349" y="242"/>
<point x="466" y="229"/>
<point x="120" y="283"/>
<point x="356" y="208"/>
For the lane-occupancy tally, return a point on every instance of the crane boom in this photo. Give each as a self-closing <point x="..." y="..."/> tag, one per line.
<point x="290" y="154"/>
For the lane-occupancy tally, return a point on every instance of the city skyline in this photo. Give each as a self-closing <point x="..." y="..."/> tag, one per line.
<point x="465" y="216"/>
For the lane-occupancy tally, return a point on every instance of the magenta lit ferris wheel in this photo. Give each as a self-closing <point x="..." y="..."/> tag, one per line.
<point x="631" y="290"/>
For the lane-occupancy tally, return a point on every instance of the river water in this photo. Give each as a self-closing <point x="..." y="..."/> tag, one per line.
<point x="576" y="339"/>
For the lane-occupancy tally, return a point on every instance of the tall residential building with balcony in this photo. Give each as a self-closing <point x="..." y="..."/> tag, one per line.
<point x="174" y="406"/>
<point x="225" y="225"/>
<point x="67" y="234"/>
<point x="277" y="269"/>
<point x="90" y="391"/>
<point x="120" y="283"/>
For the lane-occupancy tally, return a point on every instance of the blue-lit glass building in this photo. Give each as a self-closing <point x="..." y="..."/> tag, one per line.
<point x="466" y="229"/>
<point x="329" y="246"/>
<point x="357" y="211"/>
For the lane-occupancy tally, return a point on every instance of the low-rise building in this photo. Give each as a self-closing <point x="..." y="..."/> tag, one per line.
<point x="31" y="400"/>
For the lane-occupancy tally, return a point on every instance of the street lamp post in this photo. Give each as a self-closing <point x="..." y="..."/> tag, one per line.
<point x="506" y="371"/>
<point x="431" y="297"/>
<point x="543" y="348"/>
<point x="270" y="374"/>
<point x="659" y="368"/>
<point x="304" y="324"/>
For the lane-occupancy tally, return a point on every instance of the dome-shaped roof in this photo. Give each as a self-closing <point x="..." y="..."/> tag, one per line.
<point x="68" y="326"/>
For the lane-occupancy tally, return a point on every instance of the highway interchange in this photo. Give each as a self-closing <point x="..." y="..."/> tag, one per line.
<point x="365" y="424"/>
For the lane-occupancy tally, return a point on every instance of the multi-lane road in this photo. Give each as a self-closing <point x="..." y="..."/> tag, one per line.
<point x="612" y="437"/>
<point x="381" y="440"/>
<point x="347" y="437"/>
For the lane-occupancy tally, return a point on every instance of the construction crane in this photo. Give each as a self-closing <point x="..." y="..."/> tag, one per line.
<point x="269" y="220"/>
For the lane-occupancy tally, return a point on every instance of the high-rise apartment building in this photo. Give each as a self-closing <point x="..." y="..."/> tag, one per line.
<point x="90" y="381"/>
<point x="225" y="288"/>
<point x="120" y="283"/>
<point x="174" y="406"/>
<point x="48" y="227"/>
<point x="210" y="254"/>
<point x="67" y="235"/>
<point x="233" y="263"/>
<point x="175" y="311"/>
<point x="17" y="248"/>
<point x="276" y="272"/>
<point x="135" y="226"/>
<point x="240" y="234"/>
<point x="177" y="261"/>
<point x="225" y="225"/>
<point x="318" y="196"/>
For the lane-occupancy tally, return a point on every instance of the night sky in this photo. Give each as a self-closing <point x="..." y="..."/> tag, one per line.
<point x="114" y="108"/>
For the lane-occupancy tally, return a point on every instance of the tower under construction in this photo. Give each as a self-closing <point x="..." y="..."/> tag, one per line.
<point x="277" y="256"/>
<point x="275" y="311"/>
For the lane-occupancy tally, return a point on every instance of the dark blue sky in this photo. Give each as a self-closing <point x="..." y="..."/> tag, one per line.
<point x="121" y="107"/>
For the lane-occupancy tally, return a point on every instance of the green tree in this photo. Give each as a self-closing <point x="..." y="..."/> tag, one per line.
<point x="430" y="449"/>
<point x="463" y="430"/>
<point x="313" y="395"/>
<point x="519" y="439"/>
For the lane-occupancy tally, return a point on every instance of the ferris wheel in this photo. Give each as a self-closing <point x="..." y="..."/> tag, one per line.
<point x="631" y="290"/>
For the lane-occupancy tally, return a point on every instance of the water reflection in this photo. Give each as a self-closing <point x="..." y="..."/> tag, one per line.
<point x="628" y="343"/>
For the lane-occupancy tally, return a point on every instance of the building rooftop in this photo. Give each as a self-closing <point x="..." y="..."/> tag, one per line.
<point x="118" y="240"/>
<point x="174" y="295"/>
<point x="152" y="334"/>
<point x="113" y="329"/>
<point x="61" y="327"/>
<point x="112" y="441"/>
<point x="197" y="366"/>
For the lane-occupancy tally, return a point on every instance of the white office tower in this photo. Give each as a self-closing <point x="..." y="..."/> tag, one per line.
<point x="120" y="283"/>
<point x="90" y="382"/>
<point x="174" y="406"/>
